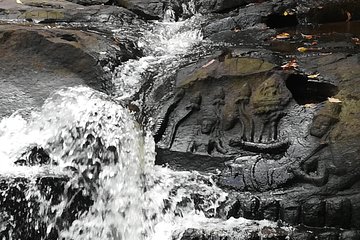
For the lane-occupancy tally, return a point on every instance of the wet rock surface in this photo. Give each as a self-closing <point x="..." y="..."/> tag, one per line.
<point x="35" y="61"/>
<point x="285" y="129"/>
<point x="19" y="204"/>
<point x="273" y="110"/>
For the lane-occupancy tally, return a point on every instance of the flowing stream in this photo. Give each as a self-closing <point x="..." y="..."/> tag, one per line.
<point x="109" y="157"/>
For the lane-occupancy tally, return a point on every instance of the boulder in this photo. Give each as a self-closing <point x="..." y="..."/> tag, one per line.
<point x="48" y="59"/>
<point x="103" y="18"/>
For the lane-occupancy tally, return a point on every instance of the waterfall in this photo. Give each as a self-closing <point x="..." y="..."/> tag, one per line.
<point x="164" y="44"/>
<point x="169" y="15"/>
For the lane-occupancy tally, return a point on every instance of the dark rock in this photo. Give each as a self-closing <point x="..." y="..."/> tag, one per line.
<point x="268" y="233"/>
<point x="102" y="18"/>
<point x="193" y="234"/>
<point x="190" y="161"/>
<point x="183" y="8"/>
<point x="273" y="234"/>
<point x="250" y="38"/>
<point x="49" y="59"/>
<point x="349" y="235"/>
<point x="303" y="235"/>
<point x="250" y="207"/>
<point x="328" y="236"/>
<point x="254" y="174"/>
<point x="35" y="156"/>
<point x="230" y="208"/>
<point x="290" y="212"/>
<point x="271" y="210"/>
<point x="355" y="211"/>
<point x="91" y="2"/>
<point x="21" y="216"/>
<point x="313" y="213"/>
<point x="150" y="10"/>
<point x="321" y="11"/>
<point x="250" y="16"/>
<point x="253" y="20"/>
<point x="338" y="213"/>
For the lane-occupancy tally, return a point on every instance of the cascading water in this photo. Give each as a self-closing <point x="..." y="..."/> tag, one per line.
<point x="109" y="158"/>
<point x="164" y="45"/>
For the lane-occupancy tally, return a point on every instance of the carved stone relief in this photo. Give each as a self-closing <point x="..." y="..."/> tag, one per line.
<point x="244" y="117"/>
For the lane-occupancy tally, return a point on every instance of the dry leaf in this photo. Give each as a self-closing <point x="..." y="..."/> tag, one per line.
<point x="308" y="37"/>
<point x="19" y="2"/>
<point x="283" y="36"/>
<point x="334" y="100"/>
<point x="348" y="15"/>
<point x="313" y="76"/>
<point x="289" y="12"/>
<point x="292" y="64"/>
<point x="310" y="105"/>
<point x="302" y="49"/>
<point x="356" y="41"/>
<point x="209" y="63"/>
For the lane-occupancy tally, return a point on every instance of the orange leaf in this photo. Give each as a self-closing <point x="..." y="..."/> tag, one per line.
<point x="308" y="37"/>
<point x="292" y="64"/>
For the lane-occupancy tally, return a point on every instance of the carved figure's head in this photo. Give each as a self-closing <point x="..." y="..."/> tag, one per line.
<point x="325" y="119"/>
<point x="207" y="125"/>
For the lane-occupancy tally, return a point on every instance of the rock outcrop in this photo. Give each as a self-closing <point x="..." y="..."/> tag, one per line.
<point x="274" y="129"/>
<point x="272" y="113"/>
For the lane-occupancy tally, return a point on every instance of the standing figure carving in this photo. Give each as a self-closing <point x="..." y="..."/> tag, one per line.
<point x="190" y="108"/>
<point x="269" y="101"/>
<point x="247" y="123"/>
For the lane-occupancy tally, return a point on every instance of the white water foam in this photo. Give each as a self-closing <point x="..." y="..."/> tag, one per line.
<point x="163" y="45"/>
<point x="78" y="107"/>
